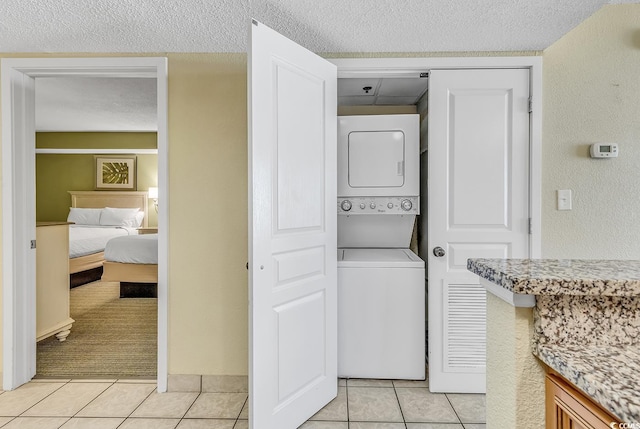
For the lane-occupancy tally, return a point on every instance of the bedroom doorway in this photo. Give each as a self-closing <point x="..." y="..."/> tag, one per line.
<point x="81" y="122"/>
<point x="18" y="215"/>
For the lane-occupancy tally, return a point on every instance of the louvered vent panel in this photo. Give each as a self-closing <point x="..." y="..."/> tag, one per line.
<point x="465" y="327"/>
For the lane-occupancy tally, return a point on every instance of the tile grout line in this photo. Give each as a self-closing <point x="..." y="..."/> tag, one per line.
<point x="134" y="410"/>
<point x="454" y="410"/>
<point x="96" y="397"/>
<point x="240" y="413"/>
<point x="395" y="392"/>
<point x="346" y="394"/>
<point x="22" y="414"/>
<point x="191" y="405"/>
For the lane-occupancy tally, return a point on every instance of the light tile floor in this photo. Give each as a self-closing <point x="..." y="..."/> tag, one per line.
<point x="134" y="404"/>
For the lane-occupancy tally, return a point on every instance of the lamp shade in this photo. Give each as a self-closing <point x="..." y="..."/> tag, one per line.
<point x="153" y="193"/>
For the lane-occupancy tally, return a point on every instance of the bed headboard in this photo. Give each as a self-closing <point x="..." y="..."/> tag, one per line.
<point x="115" y="199"/>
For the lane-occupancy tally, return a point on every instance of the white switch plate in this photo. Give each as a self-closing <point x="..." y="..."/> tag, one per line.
<point x="564" y="199"/>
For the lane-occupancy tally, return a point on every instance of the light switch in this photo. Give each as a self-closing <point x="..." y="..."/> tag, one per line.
<point x="564" y="199"/>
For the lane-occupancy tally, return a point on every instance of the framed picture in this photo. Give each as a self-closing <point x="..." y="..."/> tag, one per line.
<point x="116" y="172"/>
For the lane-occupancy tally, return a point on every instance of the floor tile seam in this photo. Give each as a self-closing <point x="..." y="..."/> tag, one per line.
<point x="395" y="392"/>
<point x="135" y="381"/>
<point x="453" y="408"/>
<point x="12" y="419"/>
<point x="184" y="416"/>
<point x="328" y="420"/>
<point x="244" y="404"/>
<point x="42" y="399"/>
<point x="372" y="387"/>
<point x="96" y="397"/>
<point x="346" y="394"/>
<point x="191" y="418"/>
<point x="39" y="417"/>
<point x="138" y="406"/>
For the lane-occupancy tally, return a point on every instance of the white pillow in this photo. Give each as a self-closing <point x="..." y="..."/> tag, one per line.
<point x="81" y="216"/>
<point x="138" y="220"/>
<point x="119" y="217"/>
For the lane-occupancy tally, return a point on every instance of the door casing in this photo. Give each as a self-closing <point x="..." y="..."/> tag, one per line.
<point x="18" y="199"/>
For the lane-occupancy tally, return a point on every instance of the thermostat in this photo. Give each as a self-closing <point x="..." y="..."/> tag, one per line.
<point x="604" y="150"/>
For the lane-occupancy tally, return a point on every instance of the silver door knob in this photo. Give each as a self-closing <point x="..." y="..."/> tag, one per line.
<point x="438" y="252"/>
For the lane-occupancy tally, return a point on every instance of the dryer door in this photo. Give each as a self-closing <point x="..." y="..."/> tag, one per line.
<point x="376" y="159"/>
<point x="378" y="155"/>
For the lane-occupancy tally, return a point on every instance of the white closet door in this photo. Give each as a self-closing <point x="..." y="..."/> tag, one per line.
<point x="292" y="231"/>
<point x="478" y="159"/>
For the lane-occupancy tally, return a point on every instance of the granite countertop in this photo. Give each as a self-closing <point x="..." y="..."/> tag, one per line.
<point x="586" y="322"/>
<point x="611" y="375"/>
<point x="561" y="276"/>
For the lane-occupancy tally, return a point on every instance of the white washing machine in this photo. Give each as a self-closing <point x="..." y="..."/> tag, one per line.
<point x="381" y="288"/>
<point x="381" y="314"/>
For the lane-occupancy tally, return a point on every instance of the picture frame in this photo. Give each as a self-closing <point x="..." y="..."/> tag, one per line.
<point x="115" y="172"/>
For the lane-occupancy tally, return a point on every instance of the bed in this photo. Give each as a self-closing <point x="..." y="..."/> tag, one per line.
<point x="133" y="261"/>
<point x="87" y="237"/>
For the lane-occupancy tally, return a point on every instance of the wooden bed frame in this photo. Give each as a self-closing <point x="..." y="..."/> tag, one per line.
<point x="136" y="280"/>
<point x="85" y="269"/>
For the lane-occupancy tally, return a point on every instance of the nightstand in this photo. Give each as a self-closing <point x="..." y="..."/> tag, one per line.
<point x="148" y="230"/>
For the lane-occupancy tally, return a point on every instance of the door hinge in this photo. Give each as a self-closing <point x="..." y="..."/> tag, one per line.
<point x="33" y="244"/>
<point x="530" y="226"/>
<point x="530" y="104"/>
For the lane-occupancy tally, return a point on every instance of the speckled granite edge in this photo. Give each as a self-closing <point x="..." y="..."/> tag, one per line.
<point x="610" y="375"/>
<point x="561" y="277"/>
<point x="596" y="320"/>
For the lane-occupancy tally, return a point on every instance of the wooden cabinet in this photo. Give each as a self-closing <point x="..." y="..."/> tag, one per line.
<point x="52" y="280"/>
<point x="568" y="408"/>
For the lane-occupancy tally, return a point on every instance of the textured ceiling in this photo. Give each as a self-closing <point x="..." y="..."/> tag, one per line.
<point x="96" y="104"/>
<point x="320" y="25"/>
<point x="160" y="26"/>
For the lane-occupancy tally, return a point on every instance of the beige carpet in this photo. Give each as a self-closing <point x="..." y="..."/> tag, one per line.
<point x="111" y="337"/>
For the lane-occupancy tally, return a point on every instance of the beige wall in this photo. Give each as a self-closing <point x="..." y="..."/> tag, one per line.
<point x="591" y="94"/>
<point x="208" y="215"/>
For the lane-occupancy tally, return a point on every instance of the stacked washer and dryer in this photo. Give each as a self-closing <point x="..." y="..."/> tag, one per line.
<point x="381" y="288"/>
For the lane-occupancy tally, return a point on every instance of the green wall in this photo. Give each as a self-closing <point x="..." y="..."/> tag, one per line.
<point x="58" y="173"/>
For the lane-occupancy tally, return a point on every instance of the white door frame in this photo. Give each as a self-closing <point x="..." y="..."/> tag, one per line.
<point x="18" y="199"/>
<point x="404" y="67"/>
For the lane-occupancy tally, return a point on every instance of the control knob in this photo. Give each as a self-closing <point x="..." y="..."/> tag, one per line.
<point x="390" y="205"/>
<point x="406" y="205"/>
<point x="346" y="205"/>
<point x="372" y="205"/>
<point x="362" y="206"/>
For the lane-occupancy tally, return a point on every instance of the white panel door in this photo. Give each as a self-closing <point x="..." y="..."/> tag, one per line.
<point x="292" y="231"/>
<point x="478" y="180"/>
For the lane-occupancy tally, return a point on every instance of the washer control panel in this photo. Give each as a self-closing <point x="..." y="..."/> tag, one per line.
<point x="378" y="205"/>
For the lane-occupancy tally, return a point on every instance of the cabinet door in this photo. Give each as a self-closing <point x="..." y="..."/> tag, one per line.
<point x="567" y="408"/>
